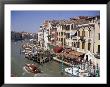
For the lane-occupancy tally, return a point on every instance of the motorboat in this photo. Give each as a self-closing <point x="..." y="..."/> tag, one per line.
<point x="31" y="68"/>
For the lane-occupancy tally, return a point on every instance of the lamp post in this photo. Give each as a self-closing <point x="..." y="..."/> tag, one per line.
<point x="90" y="68"/>
<point x="78" y="70"/>
<point x="72" y="68"/>
<point x="94" y="71"/>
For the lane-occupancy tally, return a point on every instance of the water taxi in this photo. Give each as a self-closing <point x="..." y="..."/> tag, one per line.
<point x="31" y="68"/>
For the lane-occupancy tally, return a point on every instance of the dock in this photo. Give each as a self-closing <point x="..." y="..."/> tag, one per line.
<point x="66" y="63"/>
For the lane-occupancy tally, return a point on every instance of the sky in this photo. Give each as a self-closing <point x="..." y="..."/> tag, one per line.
<point x="30" y="21"/>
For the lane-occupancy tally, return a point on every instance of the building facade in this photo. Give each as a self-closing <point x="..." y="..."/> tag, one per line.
<point x="80" y="33"/>
<point x="88" y="37"/>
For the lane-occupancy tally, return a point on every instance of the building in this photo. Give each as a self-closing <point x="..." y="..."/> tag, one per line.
<point x="41" y="37"/>
<point x="61" y="38"/>
<point x="88" y="36"/>
<point x="46" y="39"/>
<point x="80" y="33"/>
<point x="51" y="27"/>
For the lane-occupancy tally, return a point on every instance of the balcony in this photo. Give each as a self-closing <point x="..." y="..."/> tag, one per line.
<point x="75" y="37"/>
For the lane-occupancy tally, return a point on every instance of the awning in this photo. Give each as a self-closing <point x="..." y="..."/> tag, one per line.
<point x="57" y="49"/>
<point x="73" y="34"/>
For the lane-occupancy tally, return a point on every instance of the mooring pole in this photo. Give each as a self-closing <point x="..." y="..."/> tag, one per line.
<point x="62" y="67"/>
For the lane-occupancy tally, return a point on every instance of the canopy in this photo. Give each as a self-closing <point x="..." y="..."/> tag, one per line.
<point x="57" y="49"/>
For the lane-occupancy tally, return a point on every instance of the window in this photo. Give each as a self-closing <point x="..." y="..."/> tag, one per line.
<point x="57" y="33"/>
<point x="89" y="46"/>
<point x="64" y="41"/>
<point x="78" y="33"/>
<point x="89" y="32"/>
<point x="83" y="45"/>
<point x="72" y="44"/>
<point x="61" y="33"/>
<point x="63" y="27"/>
<point x="99" y="24"/>
<point x="83" y="33"/>
<point x="68" y="27"/>
<point x="72" y="26"/>
<point x="98" y="36"/>
<point x="59" y="39"/>
<point x="78" y="44"/>
<point x="99" y="49"/>
<point x="67" y="35"/>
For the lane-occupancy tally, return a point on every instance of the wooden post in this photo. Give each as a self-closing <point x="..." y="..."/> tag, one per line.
<point x="62" y="67"/>
<point x="97" y="71"/>
<point x="72" y="68"/>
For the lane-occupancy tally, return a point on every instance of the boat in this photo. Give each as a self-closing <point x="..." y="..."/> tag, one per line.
<point x="23" y="51"/>
<point x="72" y="71"/>
<point x="31" y="68"/>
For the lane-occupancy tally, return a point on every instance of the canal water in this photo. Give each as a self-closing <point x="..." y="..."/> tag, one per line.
<point x="18" y="61"/>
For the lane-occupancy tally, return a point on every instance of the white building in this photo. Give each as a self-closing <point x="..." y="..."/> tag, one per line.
<point x="41" y="37"/>
<point x="45" y="39"/>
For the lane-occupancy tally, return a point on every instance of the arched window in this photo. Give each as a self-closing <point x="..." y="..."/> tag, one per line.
<point x="89" y="46"/>
<point x="83" y="45"/>
<point x="74" y="44"/>
<point x="89" y="32"/>
<point x="78" y="44"/>
<point x="78" y="33"/>
<point x="83" y="33"/>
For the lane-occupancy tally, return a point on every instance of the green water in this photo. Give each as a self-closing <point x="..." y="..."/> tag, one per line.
<point x="51" y="69"/>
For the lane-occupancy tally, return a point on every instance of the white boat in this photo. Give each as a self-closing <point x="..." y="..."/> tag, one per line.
<point x="27" y="49"/>
<point x="72" y="70"/>
<point x="23" y="51"/>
